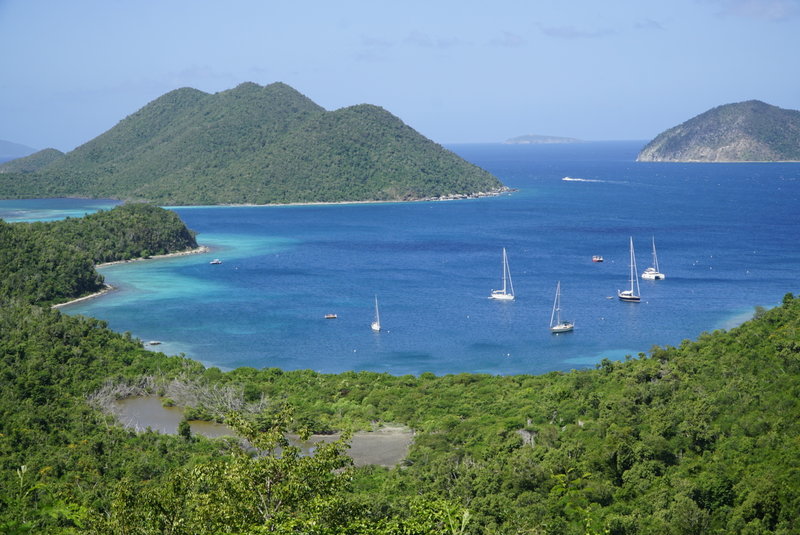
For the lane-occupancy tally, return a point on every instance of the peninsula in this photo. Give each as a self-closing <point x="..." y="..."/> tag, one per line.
<point x="746" y="131"/>
<point x="250" y="145"/>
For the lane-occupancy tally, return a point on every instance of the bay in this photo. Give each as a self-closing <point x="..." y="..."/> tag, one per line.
<point x="726" y="237"/>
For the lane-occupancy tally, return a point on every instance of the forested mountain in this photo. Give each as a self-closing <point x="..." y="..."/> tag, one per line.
<point x="745" y="131"/>
<point x="701" y="438"/>
<point x="254" y="144"/>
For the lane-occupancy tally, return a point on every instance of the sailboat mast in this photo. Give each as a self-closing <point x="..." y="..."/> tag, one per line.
<point x="507" y="273"/>
<point x="634" y="278"/>
<point x="377" y="314"/>
<point x="556" y="305"/>
<point x="505" y="269"/>
<point x="655" y="257"/>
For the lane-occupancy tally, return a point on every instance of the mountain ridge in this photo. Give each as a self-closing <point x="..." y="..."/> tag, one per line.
<point x="255" y="145"/>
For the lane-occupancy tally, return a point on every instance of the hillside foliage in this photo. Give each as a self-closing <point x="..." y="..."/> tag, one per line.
<point x="33" y="162"/>
<point x="696" y="439"/>
<point x="54" y="261"/>
<point x="252" y="144"/>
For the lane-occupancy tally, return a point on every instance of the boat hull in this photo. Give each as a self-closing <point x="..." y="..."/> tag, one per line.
<point x="500" y="296"/>
<point x="629" y="297"/>
<point x="653" y="276"/>
<point x="564" y="327"/>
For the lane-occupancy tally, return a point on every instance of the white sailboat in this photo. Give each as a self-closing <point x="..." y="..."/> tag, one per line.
<point x="376" y="325"/>
<point x="630" y="295"/>
<point x="507" y="293"/>
<point x="556" y="325"/>
<point x="652" y="273"/>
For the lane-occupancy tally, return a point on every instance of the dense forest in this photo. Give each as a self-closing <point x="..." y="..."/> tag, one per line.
<point x="700" y="438"/>
<point x="31" y="163"/>
<point x="250" y="144"/>
<point x="744" y="131"/>
<point x="49" y="262"/>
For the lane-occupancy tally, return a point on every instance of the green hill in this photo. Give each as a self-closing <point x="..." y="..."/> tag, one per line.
<point x="33" y="162"/>
<point x="54" y="261"/>
<point x="745" y="131"/>
<point x="254" y="144"/>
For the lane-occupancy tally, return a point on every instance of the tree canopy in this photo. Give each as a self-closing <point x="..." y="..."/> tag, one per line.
<point x="250" y="144"/>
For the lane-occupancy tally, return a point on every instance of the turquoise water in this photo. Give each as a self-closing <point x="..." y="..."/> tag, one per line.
<point x="51" y="209"/>
<point x="726" y="236"/>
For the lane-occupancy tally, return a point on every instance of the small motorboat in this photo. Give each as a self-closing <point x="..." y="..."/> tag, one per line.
<point x="216" y="261"/>
<point x="330" y="316"/>
<point x="597" y="258"/>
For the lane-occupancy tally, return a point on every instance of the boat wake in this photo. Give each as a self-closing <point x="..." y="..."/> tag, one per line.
<point x="571" y="179"/>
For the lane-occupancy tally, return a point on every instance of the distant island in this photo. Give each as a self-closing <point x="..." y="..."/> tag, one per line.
<point x="32" y="162"/>
<point x="250" y="145"/>
<point x="9" y="150"/>
<point x="534" y="139"/>
<point x="745" y="131"/>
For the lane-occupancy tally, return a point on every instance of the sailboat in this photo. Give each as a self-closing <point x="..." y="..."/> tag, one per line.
<point x="556" y="325"/>
<point x="376" y="325"/>
<point x="630" y="295"/>
<point x="652" y="273"/>
<point x="507" y="293"/>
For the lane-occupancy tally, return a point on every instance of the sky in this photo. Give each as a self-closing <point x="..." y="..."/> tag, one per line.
<point x="457" y="71"/>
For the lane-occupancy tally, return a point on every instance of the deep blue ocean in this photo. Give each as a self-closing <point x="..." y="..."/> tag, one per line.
<point x="727" y="238"/>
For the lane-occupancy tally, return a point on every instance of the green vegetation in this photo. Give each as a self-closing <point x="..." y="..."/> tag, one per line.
<point x="745" y="131"/>
<point x="50" y="262"/>
<point x="32" y="163"/>
<point x="252" y="144"/>
<point x="701" y="438"/>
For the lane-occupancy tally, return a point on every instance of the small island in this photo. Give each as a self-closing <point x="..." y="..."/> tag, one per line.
<point x="751" y="131"/>
<point x="250" y="145"/>
<point x="535" y="139"/>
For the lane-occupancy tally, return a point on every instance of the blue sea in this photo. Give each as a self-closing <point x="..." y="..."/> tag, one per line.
<point x="726" y="235"/>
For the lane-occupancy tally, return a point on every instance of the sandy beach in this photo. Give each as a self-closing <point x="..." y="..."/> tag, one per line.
<point x="198" y="250"/>
<point x="454" y="197"/>
<point x="108" y="288"/>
